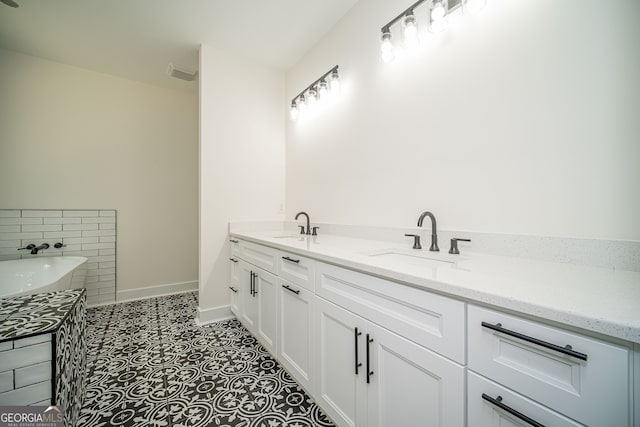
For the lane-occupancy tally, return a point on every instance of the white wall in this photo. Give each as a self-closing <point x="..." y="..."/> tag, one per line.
<point x="523" y="119"/>
<point x="242" y="143"/>
<point x="76" y="139"/>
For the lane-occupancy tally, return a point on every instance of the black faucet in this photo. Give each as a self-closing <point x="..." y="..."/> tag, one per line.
<point x="302" y="228"/>
<point x="34" y="251"/>
<point x="434" y="235"/>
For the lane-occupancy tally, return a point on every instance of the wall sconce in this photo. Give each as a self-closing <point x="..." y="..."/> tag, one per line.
<point x="438" y="12"/>
<point x="318" y="91"/>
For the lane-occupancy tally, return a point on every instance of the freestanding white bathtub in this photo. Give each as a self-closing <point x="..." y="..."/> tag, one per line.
<point x="41" y="274"/>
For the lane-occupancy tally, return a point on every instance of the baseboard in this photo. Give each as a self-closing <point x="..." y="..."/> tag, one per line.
<point x="215" y="314"/>
<point x="155" y="291"/>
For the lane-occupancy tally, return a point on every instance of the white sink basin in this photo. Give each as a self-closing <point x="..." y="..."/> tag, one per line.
<point x="414" y="258"/>
<point x="291" y="237"/>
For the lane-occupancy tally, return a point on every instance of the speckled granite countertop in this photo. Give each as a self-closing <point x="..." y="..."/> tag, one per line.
<point x="595" y="299"/>
<point x="29" y="315"/>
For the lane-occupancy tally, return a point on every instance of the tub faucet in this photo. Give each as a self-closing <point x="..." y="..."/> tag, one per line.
<point x="434" y="235"/>
<point x="34" y="251"/>
<point x="308" y="227"/>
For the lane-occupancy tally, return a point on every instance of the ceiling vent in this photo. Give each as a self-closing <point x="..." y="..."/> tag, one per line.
<point x="10" y="3"/>
<point x="182" y="74"/>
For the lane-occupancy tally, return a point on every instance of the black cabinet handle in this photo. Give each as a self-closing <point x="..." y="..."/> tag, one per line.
<point x="233" y="259"/>
<point x="498" y="402"/>
<point x="564" y="350"/>
<point x="233" y="289"/>
<point x="291" y="290"/>
<point x="255" y="287"/>
<point x="356" y="335"/>
<point x="233" y="241"/>
<point x="291" y="259"/>
<point x="369" y="371"/>
<point x="251" y="283"/>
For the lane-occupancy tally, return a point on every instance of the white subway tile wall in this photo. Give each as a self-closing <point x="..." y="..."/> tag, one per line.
<point x="88" y="233"/>
<point x="25" y="366"/>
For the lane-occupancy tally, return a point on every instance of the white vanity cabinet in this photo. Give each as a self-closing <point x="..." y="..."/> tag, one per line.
<point x="295" y="334"/>
<point x="254" y="298"/>
<point x="377" y="353"/>
<point x="370" y="375"/>
<point x="248" y="301"/>
<point x="296" y="308"/>
<point x="582" y="378"/>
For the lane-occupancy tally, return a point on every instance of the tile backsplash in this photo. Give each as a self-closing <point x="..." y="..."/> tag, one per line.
<point x="88" y="233"/>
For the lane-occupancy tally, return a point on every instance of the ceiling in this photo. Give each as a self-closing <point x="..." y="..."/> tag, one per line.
<point x="137" y="39"/>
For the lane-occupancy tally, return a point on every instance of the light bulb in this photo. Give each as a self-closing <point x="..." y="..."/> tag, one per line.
<point x="437" y="12"/>
<point x="311" y="98"/>
<point x="302" y="106"/>
<point x="323" y="90"/>
<point x="438" y="16"/>
<point x="471" y="7"/>
<point x="334" y="81"/>
<point x="410" y="31"/>
<point x="293" y="113"/>
<point x="386" y="47"/>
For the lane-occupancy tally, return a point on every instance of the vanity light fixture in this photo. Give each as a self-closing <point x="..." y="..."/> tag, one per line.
<point x="317" y="91"/>
<point x="437" y="15"/>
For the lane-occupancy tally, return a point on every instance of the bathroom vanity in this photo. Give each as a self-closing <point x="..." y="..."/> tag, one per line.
<point x="43" y="350"/>
<point x="381" y="334"/>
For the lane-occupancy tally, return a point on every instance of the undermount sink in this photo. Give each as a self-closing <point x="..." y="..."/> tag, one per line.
<point x="407" y="257"/>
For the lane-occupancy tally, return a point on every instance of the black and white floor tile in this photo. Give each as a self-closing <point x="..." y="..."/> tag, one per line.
<point x="148" y="364"/>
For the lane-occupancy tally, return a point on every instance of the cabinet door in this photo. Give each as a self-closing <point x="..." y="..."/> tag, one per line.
<point x="410" y="385"/>
<point x="265" y="290"/>
<point x="234" y="287"/>
<point x="295" y="332"/>
<point x="338" y="389"/>
<point x="249" y="300"/>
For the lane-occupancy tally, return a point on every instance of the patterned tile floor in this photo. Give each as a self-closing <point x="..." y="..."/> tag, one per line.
<point x="150" y="365"/>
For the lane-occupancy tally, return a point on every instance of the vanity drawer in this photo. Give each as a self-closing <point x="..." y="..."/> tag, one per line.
<point x="594" y="391"/>
<point x="296" y="269"/>
<point x="483" y="399"/>
<point x="234" y="244"/>
<point x="260" y="256"/>
<point x="430" y="320"/>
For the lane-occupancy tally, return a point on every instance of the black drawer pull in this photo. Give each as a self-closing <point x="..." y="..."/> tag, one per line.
<point x="291" y="290"/>
<point x="233" y="289"/>
<point x="357" y="334"/>
<point x="233" y="241"/>
<point x="498" y="402"/>
<point x="233" y="259"/>
<point x="291" y="259"/>
<point x="564" y="350"/>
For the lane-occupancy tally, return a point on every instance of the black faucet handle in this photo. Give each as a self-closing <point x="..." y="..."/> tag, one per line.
<point x="315" y="231"/>
<point x="28" y="247"/>
<point x="416" y="240"/>
<point x="454" y="245"/>
<point x="301" y="229"/>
